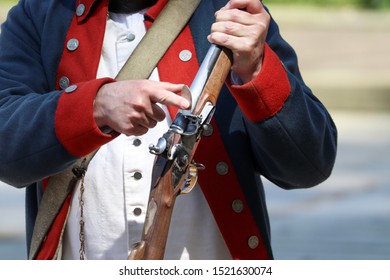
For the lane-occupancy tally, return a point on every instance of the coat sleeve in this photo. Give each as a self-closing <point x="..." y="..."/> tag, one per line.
<point x="30" y="148"/>
<point x="292" y="135"/>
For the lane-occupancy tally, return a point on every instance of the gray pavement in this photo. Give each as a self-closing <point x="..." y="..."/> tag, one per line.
<point x="344" y="58"/>
<point x="348" y="216"/>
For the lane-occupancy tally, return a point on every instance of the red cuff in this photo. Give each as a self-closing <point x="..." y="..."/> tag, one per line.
<point x="75" y="125"/>
<point x="265" y="95"/>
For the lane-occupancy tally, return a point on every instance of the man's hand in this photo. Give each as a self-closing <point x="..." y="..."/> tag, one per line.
<point x="129" y="107"/>
<point x="242" y="26"/>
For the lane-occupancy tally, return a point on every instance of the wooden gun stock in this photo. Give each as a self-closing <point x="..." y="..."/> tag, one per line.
<point x="173" y="171"/>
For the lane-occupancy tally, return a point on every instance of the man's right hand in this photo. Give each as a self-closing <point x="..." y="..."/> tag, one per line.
<point x="129" y="107"/>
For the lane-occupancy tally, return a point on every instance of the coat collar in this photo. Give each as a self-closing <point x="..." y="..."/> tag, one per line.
<point x="155" y="10"/>
<point x="84" y="8"/>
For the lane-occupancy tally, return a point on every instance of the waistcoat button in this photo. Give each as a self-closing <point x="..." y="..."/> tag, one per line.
<point x="137" y="142"/>
<point x="130" y="37"/>
<point x="137" y="175"/>
<point x="137" y="211"/>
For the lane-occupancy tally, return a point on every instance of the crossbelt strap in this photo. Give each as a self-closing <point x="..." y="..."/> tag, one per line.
<point x="140" y="65"/>
<point x="149" y="51"/>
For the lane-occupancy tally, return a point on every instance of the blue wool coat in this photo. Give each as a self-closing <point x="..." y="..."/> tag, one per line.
<point x="273" y="126"/>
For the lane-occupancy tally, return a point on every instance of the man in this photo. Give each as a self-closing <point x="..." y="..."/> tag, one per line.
<point x="59" y="102"/>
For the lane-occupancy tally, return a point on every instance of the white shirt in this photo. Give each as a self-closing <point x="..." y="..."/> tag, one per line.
<point x="118" y="179"/>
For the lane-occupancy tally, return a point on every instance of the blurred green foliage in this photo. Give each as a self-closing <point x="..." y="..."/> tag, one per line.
<point x="367" y="4"/>
<point x="9" y="2"/>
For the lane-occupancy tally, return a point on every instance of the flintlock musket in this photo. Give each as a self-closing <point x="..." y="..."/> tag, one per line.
<point x="174" y="171"/>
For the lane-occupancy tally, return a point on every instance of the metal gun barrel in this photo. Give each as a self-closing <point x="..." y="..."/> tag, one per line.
<point x="203" y="74"/>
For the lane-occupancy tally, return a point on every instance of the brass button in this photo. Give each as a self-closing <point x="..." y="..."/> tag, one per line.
<point x="238" y="206"/>
<point x="253" y="242"/>
<point x="222" y="168"/>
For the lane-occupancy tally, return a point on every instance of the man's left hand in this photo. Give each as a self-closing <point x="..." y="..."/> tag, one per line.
<point x="242" y="27"/>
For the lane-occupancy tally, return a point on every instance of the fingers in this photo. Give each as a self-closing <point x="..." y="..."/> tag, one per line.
<point x="235" y="36"/>
<point x="144" y="111"/>
<point x="242" y="26"/>
<point x="131" y="107"/>
<point x="147" y="117"/>
<point x="251" y="6"/>
<point x="167" y="94"/>
<point x="138" y="122"/>
<point x="238" y="29"/>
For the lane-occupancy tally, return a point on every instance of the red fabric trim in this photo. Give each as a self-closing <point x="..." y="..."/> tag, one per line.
<point x="44" y="183"/>
<point x="81" y="64"/>
<point x="265" y="95"/>
<point x="172" y="69"/>
<point x="220" y="192"/>
<point x="74" y="123"/>
<point x="155" y="10"/>
<point x="88" y="6"/>
<point x="50" y="244"/>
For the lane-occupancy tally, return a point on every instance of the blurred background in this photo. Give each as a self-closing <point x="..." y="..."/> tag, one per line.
<point x="343" y="48"/>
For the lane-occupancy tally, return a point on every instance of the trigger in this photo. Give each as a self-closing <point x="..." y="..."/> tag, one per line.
<point x="192" y="177"/>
